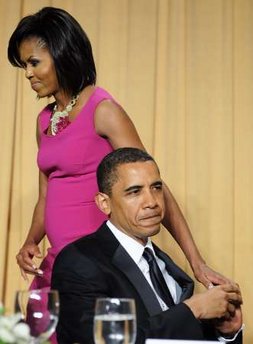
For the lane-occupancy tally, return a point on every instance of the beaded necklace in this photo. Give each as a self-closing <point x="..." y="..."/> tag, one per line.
<point x="60" y="119"/>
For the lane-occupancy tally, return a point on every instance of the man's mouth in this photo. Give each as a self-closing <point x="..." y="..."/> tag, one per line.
<point x="151" y="217"/>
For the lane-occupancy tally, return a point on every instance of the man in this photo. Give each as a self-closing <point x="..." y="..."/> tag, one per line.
<point x="118" y="261"/>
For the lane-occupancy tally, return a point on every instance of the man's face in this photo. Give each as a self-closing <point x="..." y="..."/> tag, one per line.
<point x="136" y="204"/>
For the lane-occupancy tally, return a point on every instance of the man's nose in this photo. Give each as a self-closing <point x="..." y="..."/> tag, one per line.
<point x="150" y="200"/>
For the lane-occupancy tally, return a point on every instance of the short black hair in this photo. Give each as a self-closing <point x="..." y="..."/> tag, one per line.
<point x="107" y="169"/>
<point x="65" y="40"/>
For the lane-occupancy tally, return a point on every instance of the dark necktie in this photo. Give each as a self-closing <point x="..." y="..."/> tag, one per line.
<point x="157" y="278"/>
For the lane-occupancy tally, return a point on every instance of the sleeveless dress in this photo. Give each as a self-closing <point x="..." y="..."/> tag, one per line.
<point x="69" y="160"/>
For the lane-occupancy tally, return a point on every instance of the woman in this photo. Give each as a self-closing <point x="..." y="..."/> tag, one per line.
<point x="74" y="133"/>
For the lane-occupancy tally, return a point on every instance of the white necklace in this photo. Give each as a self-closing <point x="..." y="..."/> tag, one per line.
<point x="59" y="119"/>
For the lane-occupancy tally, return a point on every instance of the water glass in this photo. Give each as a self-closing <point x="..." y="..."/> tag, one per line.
<point x="115" y="321"/>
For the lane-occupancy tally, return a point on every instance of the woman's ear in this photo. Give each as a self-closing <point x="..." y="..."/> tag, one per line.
<point x="103" y="202"/>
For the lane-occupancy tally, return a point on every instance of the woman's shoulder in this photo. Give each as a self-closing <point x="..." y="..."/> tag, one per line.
<point x="100" y="94"/>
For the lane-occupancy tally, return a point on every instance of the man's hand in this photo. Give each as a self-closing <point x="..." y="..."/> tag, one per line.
<point x="230" y="325"/>
<point x="217" y="302"/>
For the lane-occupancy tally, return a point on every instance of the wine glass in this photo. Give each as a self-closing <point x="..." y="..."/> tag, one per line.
<point x="39" y="310"/>
<point x="115" y="321"/>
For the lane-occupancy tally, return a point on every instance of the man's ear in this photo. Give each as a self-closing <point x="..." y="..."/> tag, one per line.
<point x="103" y="202"/>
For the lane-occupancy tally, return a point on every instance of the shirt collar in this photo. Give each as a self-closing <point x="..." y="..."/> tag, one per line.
<point x="132" y="246"/>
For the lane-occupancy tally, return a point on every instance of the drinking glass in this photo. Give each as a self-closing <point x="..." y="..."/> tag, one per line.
<point x="115" y="321"/>
<point x="39" y="310"/>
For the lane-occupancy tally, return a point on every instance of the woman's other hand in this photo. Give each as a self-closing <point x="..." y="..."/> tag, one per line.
<point x="25" y="260"/>
<point x="208" y="277"/>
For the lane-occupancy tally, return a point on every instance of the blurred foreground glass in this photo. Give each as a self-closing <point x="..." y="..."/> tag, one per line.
<point x="115" y="321"/>
<point x="40" y="311"/>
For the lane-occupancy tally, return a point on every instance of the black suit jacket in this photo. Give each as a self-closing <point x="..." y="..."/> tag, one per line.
<point x="98" y="266"/>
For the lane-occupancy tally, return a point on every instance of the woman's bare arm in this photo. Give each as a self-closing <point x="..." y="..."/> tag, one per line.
<point x="112" y="122"/>
<point x="36" y="232"/>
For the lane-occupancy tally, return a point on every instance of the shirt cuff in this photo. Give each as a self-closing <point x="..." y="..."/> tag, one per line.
<point x="228" y="340"/>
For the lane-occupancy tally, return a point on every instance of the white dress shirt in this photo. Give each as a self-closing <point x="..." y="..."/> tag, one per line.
<point x="135" y="251"/>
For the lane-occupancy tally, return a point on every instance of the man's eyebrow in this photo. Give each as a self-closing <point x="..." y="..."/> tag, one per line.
<point x="133" y="187"/>
<point x="157" y="183"/>
<point x="138" y="187"/>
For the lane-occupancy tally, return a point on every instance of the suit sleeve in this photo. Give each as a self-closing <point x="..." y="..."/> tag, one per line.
<point x="176" y="323"/>
<point x="79" y="284"/>
<point x="180" y="323"/>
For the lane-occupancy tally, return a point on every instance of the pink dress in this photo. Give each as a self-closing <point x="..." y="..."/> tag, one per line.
<point x="70" y="160"/>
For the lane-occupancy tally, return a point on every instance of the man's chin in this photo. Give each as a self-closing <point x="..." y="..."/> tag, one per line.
<point x="155" y="231"/>
<point x="151" y="231"/>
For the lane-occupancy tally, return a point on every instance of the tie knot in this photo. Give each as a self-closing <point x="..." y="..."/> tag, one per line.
<point x="148" y="255"/>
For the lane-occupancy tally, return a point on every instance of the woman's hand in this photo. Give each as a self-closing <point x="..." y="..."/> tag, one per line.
<point x="25" y="260"/>
<point x="208" y="277"/>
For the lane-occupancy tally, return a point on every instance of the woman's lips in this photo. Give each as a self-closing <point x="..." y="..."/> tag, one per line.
<point x="35" y="85"/>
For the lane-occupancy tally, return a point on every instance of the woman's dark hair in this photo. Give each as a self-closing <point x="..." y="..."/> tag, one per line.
<point x="65" y="40"/>
<point x="107" y="173"/>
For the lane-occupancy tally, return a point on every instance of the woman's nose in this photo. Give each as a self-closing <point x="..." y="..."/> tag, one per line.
<point x="28" y="73"/>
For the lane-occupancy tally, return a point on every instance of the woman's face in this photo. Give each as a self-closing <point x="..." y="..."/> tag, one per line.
<point x="39" y="67"/>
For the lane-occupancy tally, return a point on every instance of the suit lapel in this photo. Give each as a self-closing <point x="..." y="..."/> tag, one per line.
<point x="124" y="262"/>
<point x="185" y="282"/>
<point x="121" y="259"/>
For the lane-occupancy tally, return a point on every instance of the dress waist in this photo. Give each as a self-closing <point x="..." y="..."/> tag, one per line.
<point x="67" y="223"/>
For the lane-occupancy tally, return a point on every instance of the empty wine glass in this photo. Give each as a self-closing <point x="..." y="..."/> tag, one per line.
<point x="115" y="321"/>
<point x="39" y="310"/>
